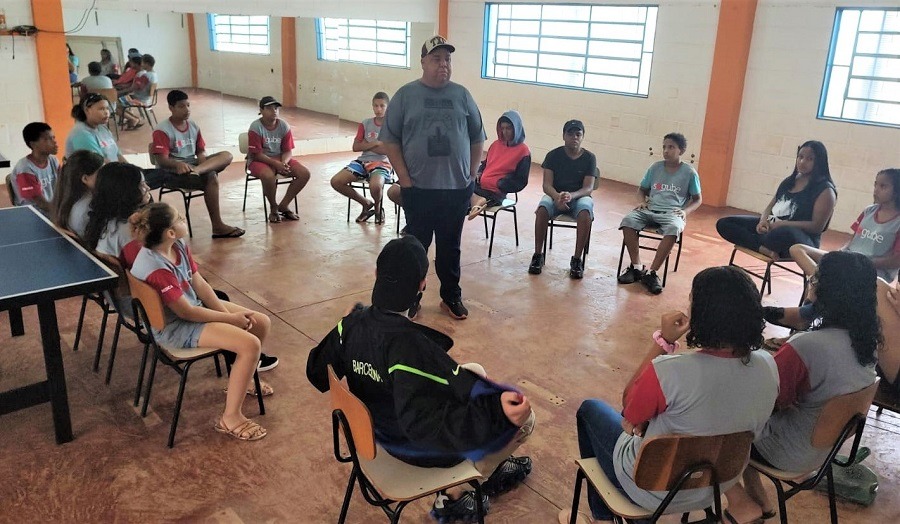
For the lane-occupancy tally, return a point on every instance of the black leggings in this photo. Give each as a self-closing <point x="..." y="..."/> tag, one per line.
<point x="741" y="230"/>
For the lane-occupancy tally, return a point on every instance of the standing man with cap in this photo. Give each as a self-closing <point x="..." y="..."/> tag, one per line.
<point x="427" y="410"/>
<point x="269" y="146"/>
<point x="569" y="175"/>
<point x="433" y="136"/>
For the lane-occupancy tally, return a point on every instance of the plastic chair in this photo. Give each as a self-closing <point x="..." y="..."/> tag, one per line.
<point x="888" y="394"/>
<point x="145" y="109"/>
<point x="364" y="186"/>
<point x="9" y="189"/>
<point x="244" y="144"/>
<point x="651" y="233"/>
<point x="566" y="222"/>
<point x="383" y="479"/>
<point x="171" y="186"/>
<point x="491" y="213"/>
<point x="840" y="418"/>
<point x="670" y="463"/>
<point x="112" y="96"/>
<point x="766" y="276"/>
<point x="149" y="312"/>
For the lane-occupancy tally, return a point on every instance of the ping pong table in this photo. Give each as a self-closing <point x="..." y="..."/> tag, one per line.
<point x="51" y="266"/>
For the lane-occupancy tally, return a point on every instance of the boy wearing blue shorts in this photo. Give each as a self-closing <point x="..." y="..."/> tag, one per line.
<point x="569" y="175"/>
<point x="671" y="190"/>
<point x="372" y="166"/>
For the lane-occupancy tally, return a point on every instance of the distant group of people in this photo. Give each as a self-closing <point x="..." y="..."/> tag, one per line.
<point x="428" y="410"/>
<point x="134" y="86"/>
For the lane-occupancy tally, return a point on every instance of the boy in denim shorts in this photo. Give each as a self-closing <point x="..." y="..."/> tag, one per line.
<point x="671" y="190"/>
<point x="569" y="175"/>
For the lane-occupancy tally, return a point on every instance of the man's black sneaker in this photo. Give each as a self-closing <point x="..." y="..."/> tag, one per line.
<point x="464" y="508"/>
<point x="537" y="264"/>
<point x="631" y="275"/>
<point x="266" y="362"/>
<point x="576" y="269"/>
<point x="416" y="307"/>
<point x="508" y="475"/>
<point x="456" y="309"/>
<point x="651" y="282"/>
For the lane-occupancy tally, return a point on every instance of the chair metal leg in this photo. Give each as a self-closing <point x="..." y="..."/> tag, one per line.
<point x="140" y="382"/>
<point x="579" y="479"/>
<point x="832" y="504"/>
<point x="184" y="374"/>
<point x="678" y="255"/>
<point x="149" y="384"/>
<point x="621" y="258"/>
<point x="259" y="396"/>
<point x="187" y="214"/>
<point x="493" y="229"/>
<point x="347" y="494"/>
<point x="551" y="233"/>
<point x="100" y="336"/>
<point x="479" y="503"/>
<point x="484" y="216"/>
<point x="112" y="350"/>
<point x="768" y="277"/>
<point x="246" y="183"/>
<point x="84" y="300"/>
<point x="665" y="271"/>
<point x="395" y="517"/>
<point x="782" y="502"/>
<point x="516" y="225"/>
<point x="218" y="366"/>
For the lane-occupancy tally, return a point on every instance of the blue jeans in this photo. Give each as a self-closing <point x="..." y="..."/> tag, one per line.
<point x="599" y="427"/>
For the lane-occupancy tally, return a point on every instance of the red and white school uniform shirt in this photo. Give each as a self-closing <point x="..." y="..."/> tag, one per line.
<point x="270" y="142"/>
<point x="31" y="181"/>
<point x="181" y="144"/>
<point x="876" y="239"/>
<point x="171" y="281"/>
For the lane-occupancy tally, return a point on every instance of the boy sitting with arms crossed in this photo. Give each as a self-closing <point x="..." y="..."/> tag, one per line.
<point x="671" y="191"/>
<point x="34" y="177"/>
<point x="427" y="410"/>
<point x="372" y="165"/>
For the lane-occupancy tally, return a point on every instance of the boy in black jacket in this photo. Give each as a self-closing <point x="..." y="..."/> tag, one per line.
<point x="427" y="410"/>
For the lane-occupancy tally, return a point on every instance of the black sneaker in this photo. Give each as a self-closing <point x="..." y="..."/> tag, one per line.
<point x="631" y="275"/>
<point x="416" y="307"/>
<point x="464" y="508"/>
<point x="651" y="282"/>
<point x="404" y="232"/>
<point x="456" y="309"/>
<point x="576" y="270"/>
<point x="537" y="264"/>
<point x="508" y="475"/>
<point x="266" y="362"/>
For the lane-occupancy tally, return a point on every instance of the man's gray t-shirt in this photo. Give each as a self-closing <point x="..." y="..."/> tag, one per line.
<point x="435" y="128"/>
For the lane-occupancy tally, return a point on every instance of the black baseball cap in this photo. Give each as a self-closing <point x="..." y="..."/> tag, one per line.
<point x="268" y="101"/>
<point x="436" y="42"/>
<point x="573" y="124"/>
<point x="400" y="268"/>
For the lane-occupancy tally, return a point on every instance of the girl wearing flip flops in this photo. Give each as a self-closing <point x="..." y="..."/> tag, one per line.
<point x="270" y="143"/>
<point x="195" y="316"/>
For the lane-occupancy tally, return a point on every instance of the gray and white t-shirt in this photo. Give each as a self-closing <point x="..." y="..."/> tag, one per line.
<point x="435" y="128"/>
<point x="669" y="191"/>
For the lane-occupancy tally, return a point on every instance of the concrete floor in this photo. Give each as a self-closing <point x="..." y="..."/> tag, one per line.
<point x="561" y="340"/>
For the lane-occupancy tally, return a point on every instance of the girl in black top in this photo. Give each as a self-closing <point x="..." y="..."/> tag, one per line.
<point x="797" y="214"/>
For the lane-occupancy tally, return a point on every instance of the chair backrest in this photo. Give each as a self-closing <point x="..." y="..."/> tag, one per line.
<point x="889" y="356"/>
<point x="357" y="414"/>
<point x="10" y="190"/>
<point x="113" y="263"/>
<point x="244" y="143"/>
<point x="152" y="95"/>
<point x="150" y="300"/>
<point x="596" y="180"/>
<point x="838" y="411"/>
<point x="663" y="459"/>
<point x="153" y="160"/>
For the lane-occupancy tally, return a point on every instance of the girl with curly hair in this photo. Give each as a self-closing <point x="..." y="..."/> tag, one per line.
<point x="836" y="357"/>
<point x="690" y="393"/>
<point x="119" y="192"/>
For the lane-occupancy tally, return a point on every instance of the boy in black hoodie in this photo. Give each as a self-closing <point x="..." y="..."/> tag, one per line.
<point x="427" y="410"/>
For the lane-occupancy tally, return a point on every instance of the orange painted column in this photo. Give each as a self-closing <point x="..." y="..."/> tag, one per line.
<point x="726" y="91"/>
<point x="53" y="67"/>
<point x="289" y="62"/>
<point x="192" y="44"/>
<point x="444" y="18"/>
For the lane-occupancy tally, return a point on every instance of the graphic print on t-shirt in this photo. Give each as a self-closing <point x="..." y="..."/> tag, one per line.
<point x="438" y="116"/>
<point x="784" y="208"/>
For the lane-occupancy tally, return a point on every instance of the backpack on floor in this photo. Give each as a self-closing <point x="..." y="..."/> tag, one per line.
<point x="854" y="483"/>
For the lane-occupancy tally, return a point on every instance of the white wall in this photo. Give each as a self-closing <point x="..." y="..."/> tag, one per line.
<point x="252" y="76"/>
<point x="781" y="98"/>
<point x="20" y="87"/>
<point x="343" y="88"/>
<point x="619" y="129"/>
<point x="162" y="35"/>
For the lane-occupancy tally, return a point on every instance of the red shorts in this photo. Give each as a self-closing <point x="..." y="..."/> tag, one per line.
<point x="257" y="168"/>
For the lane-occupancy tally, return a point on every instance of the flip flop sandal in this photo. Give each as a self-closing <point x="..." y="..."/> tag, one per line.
<point x="234" y="233"/>
<point x="768" y="514"/>
<point x="274" y="217"/>
<point x="246" y="431"/>
<point x="287" y="214"/>
<point x="731" y="520"/>
<point x="476" y="210"/>
<point x="366" y="215"/>
<point x="379" y="217"/>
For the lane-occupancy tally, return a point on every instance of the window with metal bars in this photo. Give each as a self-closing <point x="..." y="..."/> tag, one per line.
<point x="377" y="42"/>
<point x="239" y="34"/>
<point x="862" y="78"/>
<point x="595" y="47"/>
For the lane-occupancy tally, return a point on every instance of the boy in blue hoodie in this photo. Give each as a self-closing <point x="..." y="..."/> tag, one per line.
<point x="427" y="410"/>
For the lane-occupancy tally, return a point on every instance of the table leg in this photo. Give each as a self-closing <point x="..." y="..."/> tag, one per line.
<point x="56" y="377"/>
<point x="16" y="325"/>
